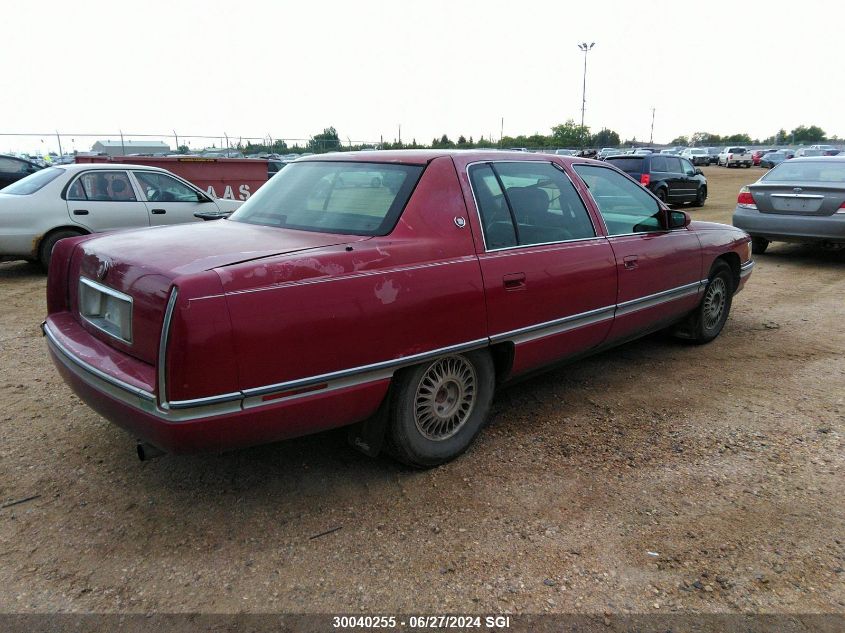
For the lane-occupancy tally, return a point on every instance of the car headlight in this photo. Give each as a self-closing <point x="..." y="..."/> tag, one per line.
<point x="747" y="257"/>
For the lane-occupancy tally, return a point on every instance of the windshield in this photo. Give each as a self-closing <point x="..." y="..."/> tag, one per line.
<point x="33" y="182"/>
<point x="352" y="198"/>
<point x="810" y="171"/>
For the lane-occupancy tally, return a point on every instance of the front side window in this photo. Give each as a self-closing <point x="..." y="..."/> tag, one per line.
<point x="687" y="167"/>
<point x="163" y="188"/>
<point x="102" y="186"/>
<point x="625" y="206"/>
<point x="524" y="203"/>
<point x="353" y="198"/>
<point x="33" y="182"/>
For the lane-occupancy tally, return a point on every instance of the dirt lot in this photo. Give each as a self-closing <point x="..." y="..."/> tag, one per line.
<point x="657" y="477"/>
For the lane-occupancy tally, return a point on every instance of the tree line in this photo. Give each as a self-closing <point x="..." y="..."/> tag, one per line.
<point x="565" y="135"/>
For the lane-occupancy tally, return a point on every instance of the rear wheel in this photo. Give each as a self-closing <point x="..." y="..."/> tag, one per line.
<point x="709" y="317"/>
<point x="45" y="250"/>
<point x="437" y="408"/>
<point x="759" y="245"/>
<point x="661" y="194"/>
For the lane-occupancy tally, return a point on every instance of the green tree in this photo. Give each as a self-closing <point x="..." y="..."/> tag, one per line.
<point x="705" y="138"/>
<point x="680" y="140"/>
<point x="737" y="138"/>
<point x="605" y="138"/>
<point x="326" y="141"/>
<point x="803" y="134"/>
<point x="183" y="149"/>
<point x="570" y="134"/>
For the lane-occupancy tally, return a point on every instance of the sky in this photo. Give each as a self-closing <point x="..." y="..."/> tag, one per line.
<point x="288" y="69"/>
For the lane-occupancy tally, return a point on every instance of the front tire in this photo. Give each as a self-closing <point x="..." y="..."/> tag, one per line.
<point x="759" y="245"/>
<point x="437" y="408"/>
<point x="710" y="316"/>
<point x="701" y="197"/>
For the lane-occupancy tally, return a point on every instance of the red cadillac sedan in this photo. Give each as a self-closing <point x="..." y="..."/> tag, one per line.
<point x="388" y="291"/>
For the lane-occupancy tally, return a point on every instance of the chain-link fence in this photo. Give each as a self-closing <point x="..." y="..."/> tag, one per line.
<point x="58" y="143"/>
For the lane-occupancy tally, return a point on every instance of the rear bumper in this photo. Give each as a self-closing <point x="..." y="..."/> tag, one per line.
<point x="790" y="228"/>
<point x="209" y="428"/>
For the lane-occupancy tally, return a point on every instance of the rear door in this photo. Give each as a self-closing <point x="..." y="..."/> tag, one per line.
<point x="549" y="274"/>
<point x="101" y="200"/>
<point x="169" y="200"/>
<point x="659" y="270"/>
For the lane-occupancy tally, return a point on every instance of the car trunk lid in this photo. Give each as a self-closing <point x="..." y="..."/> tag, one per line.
<point x="140" y="267"/>
<point x="811" y="199"/>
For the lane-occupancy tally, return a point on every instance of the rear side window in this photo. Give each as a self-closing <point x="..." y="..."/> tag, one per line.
<point x="102" y="186"/>
<point x="659" y="163"/>
<point x="624" y="205"/>
<point x="524" y="203"/>
<point x="33" y="182"/>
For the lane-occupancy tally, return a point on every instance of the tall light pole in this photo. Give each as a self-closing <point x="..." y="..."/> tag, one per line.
<point x="586" y="48"/>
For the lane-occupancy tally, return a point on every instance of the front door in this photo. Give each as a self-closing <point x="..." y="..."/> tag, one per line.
<point x="660" y="271"/>
<point x="101" y="200"/>
<point x="549" y="276"/>
<point x="170" y="201"/>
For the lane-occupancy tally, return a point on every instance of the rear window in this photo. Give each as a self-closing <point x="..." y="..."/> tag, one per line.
<point x="352" y="198"/>
<point x="628" y="165"/>
<point x="33" y="182"/>
<point x="737" y="150"/>
<point x="811" y="171"/>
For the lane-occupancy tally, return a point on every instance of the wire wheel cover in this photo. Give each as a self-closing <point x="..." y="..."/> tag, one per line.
<point x="445" y="397"/>
<point x="714" y="302"/>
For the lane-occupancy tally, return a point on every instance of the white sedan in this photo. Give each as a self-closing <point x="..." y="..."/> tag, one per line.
<point x="69" y="200"/>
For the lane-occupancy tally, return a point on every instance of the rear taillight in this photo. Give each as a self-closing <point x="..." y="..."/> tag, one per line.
<point x="841" y="208"/>
<point x="645" y="179"/>
<point x="745" y="199"/>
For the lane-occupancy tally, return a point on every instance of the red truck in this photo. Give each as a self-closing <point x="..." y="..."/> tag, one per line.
<point x="228" y="178"/>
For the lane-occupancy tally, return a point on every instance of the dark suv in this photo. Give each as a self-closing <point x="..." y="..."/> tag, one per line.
<point x="671" y="178"/>
<point x="13" y="168"/>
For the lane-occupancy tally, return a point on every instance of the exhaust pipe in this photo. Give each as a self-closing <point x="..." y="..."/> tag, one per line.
<point x="147" y="452"/>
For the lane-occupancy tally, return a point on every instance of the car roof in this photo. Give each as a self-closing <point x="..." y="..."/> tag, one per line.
<point x="817" y="159"/>
<point x="75" y="167"/>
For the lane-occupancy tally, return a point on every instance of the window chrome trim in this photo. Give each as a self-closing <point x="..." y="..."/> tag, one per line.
<point x="521" y="246"/>
<point x="117" y="295"/>
<point x="161" y="361"/>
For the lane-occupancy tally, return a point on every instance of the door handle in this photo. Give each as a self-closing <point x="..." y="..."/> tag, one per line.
<point x="514" y="281"/>
<point x="80" y="211"/>
<point x="158" y="211"/>
<point x="630" y="261"/>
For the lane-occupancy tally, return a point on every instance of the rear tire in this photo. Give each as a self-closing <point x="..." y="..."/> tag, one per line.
<point x="45" y="249"/>
<point x="709" y="317"/>
<point x="437" y="408"/>
<point x="759" y="245"/>
<point x="661" y="194"/>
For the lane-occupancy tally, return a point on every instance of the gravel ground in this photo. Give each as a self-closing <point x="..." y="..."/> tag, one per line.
<point x="658" y="477"/>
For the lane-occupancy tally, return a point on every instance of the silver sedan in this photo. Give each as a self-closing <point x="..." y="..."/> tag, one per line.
<point x="801" y="200"/>
<point x="70" y="200"/>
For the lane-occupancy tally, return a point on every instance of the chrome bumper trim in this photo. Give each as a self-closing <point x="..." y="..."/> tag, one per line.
<point x="745" y="269"/>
